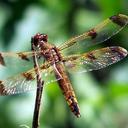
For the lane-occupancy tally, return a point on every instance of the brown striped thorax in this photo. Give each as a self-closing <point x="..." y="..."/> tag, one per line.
<point x="54" y="66"/>
<point x="50" y="52"/>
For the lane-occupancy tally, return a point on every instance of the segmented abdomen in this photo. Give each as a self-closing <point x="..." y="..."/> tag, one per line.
<point x="66" y="88"/>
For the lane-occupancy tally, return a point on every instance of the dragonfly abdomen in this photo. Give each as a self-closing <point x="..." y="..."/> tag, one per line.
<point x="67" y="90"/>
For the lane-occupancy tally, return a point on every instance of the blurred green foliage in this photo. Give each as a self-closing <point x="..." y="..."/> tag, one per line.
<point x="102" y="95"/>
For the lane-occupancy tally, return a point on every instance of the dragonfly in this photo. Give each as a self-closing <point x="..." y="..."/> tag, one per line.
<point x="54" y="66"/>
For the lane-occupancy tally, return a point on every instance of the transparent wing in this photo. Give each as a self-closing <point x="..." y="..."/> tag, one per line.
<point x="98" y="34"/>
<point x="19" y="62"/>
<point x="26" y="80"/>
<point x="94" y="60"/>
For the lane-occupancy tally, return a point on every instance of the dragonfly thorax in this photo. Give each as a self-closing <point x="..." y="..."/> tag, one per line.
<point x="52" y="55"/>
<point x="48" y="51"/>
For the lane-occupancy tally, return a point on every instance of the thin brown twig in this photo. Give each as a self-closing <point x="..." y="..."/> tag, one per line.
<point x="40" y="83"/>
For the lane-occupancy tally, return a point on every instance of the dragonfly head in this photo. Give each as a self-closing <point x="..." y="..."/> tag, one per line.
<point x="39" y="39"/>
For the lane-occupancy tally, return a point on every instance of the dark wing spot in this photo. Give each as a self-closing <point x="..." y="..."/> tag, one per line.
<point x="92" y="33"/>
<point x="120" y="20"/>
<point x="23" y="56"/>
<point x="28" y="76"/>
<point x="122" y="52"/>
<point x="91" y="56"/>
<point x="2" y="62"/>
<point x="2" y="89"/>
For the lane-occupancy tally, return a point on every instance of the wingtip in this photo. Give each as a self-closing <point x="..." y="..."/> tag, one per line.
<point x="122" y="51"/>
<point x="119" y="19"/>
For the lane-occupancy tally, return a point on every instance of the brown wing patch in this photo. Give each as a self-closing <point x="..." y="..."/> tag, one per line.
<point x="2" y="62"/>
<point x="121" y="20"/>
<point x="92" y="33"/>
<point x="91" y="56"/>
<point x="2" y="89"/>
<point x="122" y="52"/>
<point x="28" y="76"/>
<point x="23" y="56"/>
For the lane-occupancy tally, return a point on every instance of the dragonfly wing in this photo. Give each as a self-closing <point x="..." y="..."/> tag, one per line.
<point x="19" y="62"/>
<point x="98" y="34"/>
<point x="15" y="85"/>
<point x="26" y="80"/>
<point x="95" y="60"/>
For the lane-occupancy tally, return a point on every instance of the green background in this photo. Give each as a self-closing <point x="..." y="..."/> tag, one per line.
<point x="102" y="94"/>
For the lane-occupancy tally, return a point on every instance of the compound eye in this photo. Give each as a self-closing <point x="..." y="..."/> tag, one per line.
<point x="39" y="38"/>
<point x="44" y="37"/>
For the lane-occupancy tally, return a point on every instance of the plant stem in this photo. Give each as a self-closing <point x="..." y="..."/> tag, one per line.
<point x="40" y="83"/>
